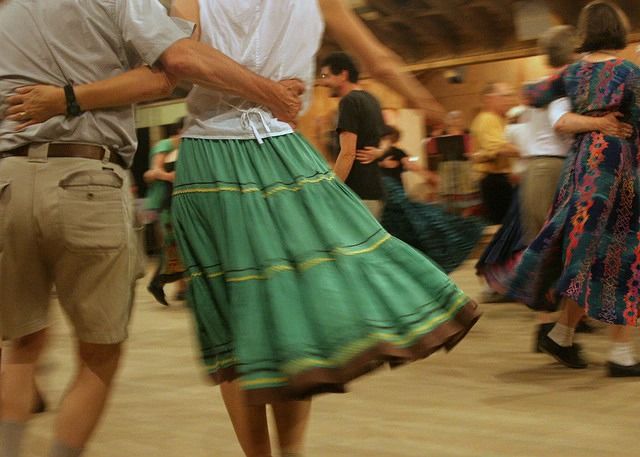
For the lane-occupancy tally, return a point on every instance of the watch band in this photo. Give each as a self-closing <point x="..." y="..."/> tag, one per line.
<point x="73" y="107"/>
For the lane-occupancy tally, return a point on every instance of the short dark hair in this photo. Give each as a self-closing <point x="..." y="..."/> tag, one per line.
<point x="602" y="25"/>
<point x="339" y="62"/>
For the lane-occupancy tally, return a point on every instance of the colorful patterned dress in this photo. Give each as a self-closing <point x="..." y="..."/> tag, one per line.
<point x="589" y="248"/>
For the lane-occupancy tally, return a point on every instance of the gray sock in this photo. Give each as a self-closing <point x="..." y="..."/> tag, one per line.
<point x="62" y="450"/>
<point x="11" y="436"/>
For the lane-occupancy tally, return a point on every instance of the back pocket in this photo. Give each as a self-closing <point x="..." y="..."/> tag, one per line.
<point x="93" y="211"/>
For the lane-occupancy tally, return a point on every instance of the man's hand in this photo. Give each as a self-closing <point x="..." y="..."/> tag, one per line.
<point x="610" y="125"/>
<point x="287" y="103"/>
<point x="35" y="104"/>
<point x="368" y="154"/>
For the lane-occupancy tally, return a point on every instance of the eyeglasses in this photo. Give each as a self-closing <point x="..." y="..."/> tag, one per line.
<point x="323" y="76"/>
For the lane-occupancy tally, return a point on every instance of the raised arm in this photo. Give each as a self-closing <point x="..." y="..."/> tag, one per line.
<point x="383" y="64"/>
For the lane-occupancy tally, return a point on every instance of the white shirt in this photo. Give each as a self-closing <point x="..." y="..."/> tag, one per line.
<point x="543" y="139"/>
<point x="519" y="136"/>
<point x="277" y="39"/>
<point x="72" y="41"/>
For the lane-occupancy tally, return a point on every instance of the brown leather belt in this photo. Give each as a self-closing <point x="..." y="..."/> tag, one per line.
<point x="82" y="151"/>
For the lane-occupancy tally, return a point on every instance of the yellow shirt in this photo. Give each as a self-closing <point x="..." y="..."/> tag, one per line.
<point x="487" y="130"/>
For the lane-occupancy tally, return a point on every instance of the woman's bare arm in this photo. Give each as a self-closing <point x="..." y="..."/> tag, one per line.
<point x="383" y="64"/>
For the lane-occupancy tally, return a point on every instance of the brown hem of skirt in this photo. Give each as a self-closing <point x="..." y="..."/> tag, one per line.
<point x="333" y="380"/>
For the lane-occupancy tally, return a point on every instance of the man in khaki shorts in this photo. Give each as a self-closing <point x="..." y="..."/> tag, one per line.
<point x="65" y="213"/>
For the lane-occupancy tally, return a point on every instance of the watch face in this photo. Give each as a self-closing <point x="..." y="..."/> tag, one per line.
<point x="74" y="109"/>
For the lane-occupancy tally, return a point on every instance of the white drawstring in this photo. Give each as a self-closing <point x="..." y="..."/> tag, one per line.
<point x="247" y="121"/>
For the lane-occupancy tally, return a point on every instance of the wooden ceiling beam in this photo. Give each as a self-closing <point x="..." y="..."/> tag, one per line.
<point x="529" y="51"/>
<point x="432" y="64"/>
<point x="468" y="33"/>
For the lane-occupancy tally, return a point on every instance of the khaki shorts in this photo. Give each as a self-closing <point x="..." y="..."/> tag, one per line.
<point x="536" y="193"/>
<point x="68" y="222"/>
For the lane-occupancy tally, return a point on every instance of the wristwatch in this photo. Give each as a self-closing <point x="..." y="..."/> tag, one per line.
<point x="73" y="107"/>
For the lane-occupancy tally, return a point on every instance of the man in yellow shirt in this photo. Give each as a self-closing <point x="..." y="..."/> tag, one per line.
<point x="494" y="153"/>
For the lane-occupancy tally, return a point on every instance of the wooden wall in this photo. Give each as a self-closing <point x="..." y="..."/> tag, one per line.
<point x="464" y="97"/>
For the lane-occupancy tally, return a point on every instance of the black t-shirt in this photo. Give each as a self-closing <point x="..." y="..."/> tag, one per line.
<point x="360" y="113"/>
<point x="397" y="155"/>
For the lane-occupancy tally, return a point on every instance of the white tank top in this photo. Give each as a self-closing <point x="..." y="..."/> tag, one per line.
<point x="277" y="39"/>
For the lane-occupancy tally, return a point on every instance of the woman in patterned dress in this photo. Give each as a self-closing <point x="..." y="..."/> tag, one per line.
<point x="587" y="255"/>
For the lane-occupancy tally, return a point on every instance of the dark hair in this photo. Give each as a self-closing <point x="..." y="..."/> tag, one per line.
<point x="339" y="62"/>
<point x="392" y="132"/>
<point x="559" y="44"/>
<point x="602" y="25"/>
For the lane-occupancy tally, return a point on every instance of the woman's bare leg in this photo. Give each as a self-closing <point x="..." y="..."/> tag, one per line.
<point x="249" y="422"/>
<point x="292" y="418"/>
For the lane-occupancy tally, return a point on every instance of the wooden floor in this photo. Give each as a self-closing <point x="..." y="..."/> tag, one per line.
<point x="490" y="397"/>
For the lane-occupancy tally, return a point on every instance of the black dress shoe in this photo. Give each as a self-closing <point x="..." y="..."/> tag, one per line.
<point x="542" y="331"/>
<point x="155" y="289"/>
<point x="623" y="371"/>
<point x="569" y="356"/>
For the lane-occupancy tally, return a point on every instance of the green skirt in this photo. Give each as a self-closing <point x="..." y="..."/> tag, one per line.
<point x="295" y="287"/>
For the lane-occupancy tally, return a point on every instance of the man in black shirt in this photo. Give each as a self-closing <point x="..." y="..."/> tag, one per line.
<point x="360" y="124"/>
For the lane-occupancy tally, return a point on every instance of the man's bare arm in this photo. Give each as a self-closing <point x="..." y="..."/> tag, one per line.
<point x="572" y="123"/>
<point x="35" y="104"/>
<point x="347" y="155"/>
